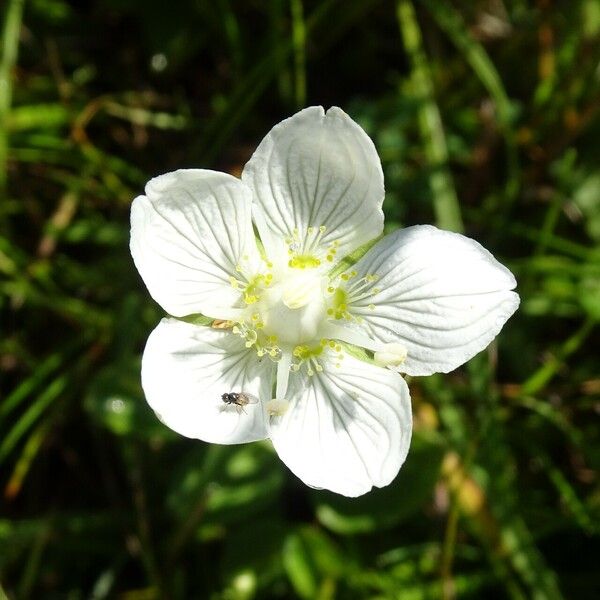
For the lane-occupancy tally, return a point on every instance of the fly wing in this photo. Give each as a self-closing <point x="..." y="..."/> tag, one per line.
<point x="251" y="399"/>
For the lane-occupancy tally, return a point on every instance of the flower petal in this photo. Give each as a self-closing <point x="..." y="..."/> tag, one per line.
<point x="185" y="370"/>
<point x="188" y="234"/>
<point x="347" y="428"/>
<point x="316" y="169"/>
<point x="440" y="294"/>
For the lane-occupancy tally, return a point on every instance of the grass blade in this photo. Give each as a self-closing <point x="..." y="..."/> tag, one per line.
<point x="445" y="202"/>
<point x="10" y="46"/>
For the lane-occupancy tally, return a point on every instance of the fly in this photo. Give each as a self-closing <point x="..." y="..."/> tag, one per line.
<point x="239" y="400"/>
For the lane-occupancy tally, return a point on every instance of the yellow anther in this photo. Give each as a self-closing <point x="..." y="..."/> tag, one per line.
<point x="306" y="250"/>
<point x="304" y="261"/>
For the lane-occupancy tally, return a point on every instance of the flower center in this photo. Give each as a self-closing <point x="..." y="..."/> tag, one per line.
<point x="288" y="307"/>
<point x="294" y="308"/>
<point x="282" y="311"/>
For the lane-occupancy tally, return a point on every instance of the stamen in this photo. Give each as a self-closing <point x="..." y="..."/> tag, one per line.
<point x="351" y="336"/>
<point x="307" y="252"/>
<point x="265" y="345"/>
<point x="347" y="289"/>
<point x="311" y="356"/>
<point x="283" y="374"/>
<point x="251" y="285"/>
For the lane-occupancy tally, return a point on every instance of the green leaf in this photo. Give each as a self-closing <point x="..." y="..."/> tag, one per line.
<point x="116" y="402"/>
<point x="299" y="567"/>
<point x="313" y="563"/>
<point x="228" y="484"/>
<point x="38" y="116"/>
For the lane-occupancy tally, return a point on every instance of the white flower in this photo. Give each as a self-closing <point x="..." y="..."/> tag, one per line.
<point x="421" y="299"/>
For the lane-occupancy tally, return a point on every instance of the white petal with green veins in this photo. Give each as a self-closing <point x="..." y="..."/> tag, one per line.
<point x="347" y="427"/>
<point x="185" y="370"/>
<point x="318" y="188"/>
<point x="190" y="234"/>
<point x="439" y="294"/>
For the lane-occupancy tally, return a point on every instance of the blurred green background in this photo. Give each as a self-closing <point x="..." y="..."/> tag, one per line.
<point x="485" y="115"/>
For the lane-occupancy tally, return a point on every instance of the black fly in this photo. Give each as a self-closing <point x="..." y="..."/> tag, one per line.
<point x="238" y="399"/>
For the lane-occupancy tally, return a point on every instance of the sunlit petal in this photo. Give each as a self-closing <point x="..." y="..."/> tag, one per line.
<point x="186" y="369"/>
<point x="441" y="295"/>
<point x="189" y="233"/>
<point x="347" y="428"/>
<point x="320" y="171"/>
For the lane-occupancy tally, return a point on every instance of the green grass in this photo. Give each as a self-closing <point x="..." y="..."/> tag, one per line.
<point x="485" y="115"/>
